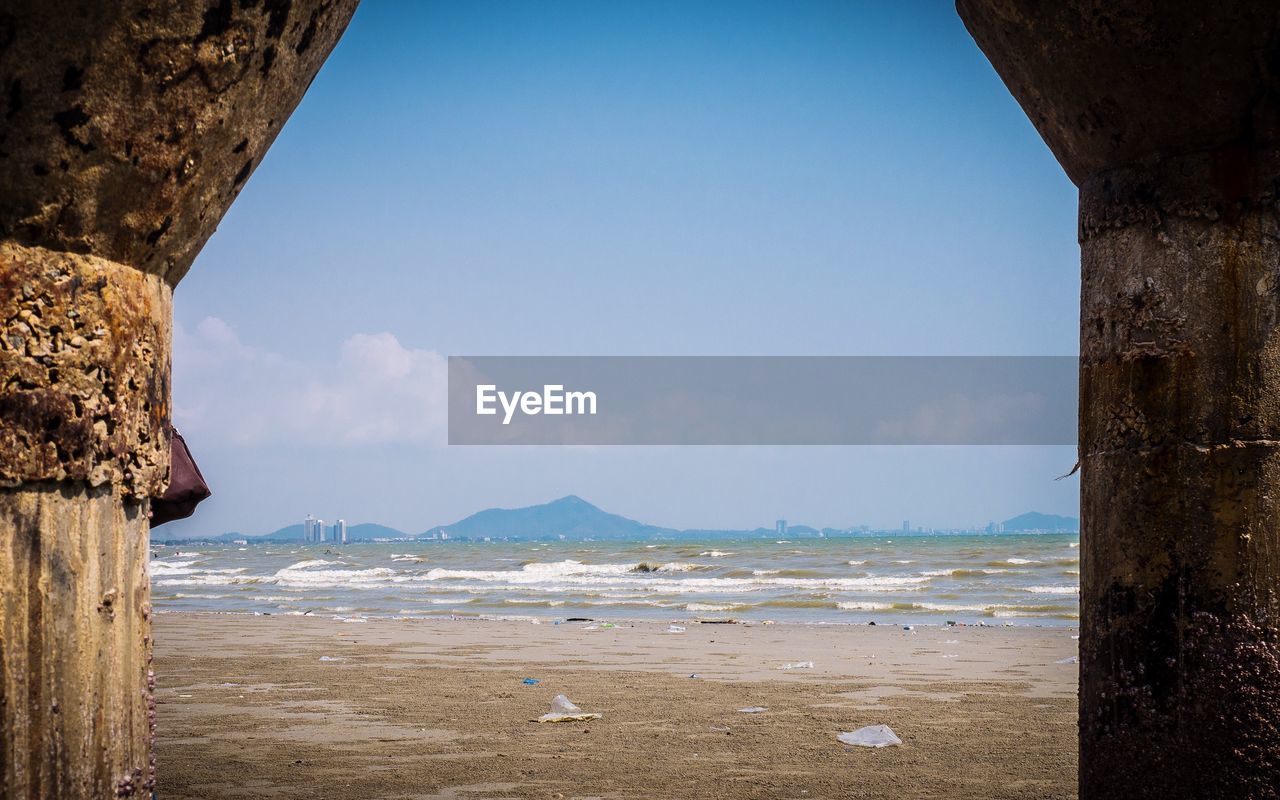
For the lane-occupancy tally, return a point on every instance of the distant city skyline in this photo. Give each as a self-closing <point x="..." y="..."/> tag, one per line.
<point x="314" y="531"/>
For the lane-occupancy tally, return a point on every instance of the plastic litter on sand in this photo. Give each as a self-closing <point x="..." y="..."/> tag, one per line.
<point x="753" y="709"/>
<point x="562" y="710"/>
<point x="798" y="665"/>
<point x="871" y="736"/>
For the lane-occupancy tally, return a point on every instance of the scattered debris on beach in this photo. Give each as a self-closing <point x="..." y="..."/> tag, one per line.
<point x="797" y="665"/>
<point x="753" y="710"/>
<point x="871" y="736"/>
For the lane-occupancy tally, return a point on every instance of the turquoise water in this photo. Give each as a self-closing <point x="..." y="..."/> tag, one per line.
<point x="1031" y="579"/>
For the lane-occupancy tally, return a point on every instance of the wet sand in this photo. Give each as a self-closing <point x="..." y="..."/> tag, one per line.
<point x="299" y="707"/>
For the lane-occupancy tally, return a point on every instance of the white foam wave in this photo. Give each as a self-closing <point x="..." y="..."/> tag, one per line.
<point x="705" y="607"/>
<point x="1051" y="589"/>
<point x="951" y="607"/>
<point x="569" y="576"/>
<point x="172" y="567"/>
<point x="679" y="566"/>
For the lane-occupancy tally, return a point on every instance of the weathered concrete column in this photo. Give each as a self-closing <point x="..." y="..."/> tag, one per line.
<point x="1165" y="115"/>
<point x="126" y="130"/>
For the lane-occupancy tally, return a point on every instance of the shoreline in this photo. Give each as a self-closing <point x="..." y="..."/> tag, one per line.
<point x="255" y="706"/>
<point x="559" y="619"/>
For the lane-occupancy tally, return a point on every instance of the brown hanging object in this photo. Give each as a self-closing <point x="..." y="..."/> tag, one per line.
<point x="186" y="485"/>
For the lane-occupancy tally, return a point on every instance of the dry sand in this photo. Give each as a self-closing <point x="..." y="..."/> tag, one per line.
<point x="436" y="709"/>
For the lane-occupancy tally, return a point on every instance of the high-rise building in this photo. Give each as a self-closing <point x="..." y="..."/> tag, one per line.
<point x="340" y="531"/>
<point x="906" y="526"/>
<point x="780" y="527"/>
<point x="308" y="529"/>
<point x="319" y="530"/>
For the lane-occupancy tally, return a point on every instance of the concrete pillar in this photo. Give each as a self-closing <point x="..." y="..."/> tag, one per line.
<point x="126" y="130"/>
<point x="1165" y="115"/>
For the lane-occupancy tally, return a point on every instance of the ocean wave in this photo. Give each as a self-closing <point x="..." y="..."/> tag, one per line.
<point x="320" y="578"/>
<point x="165" y="570"/>
<point x="516" y="581"/>
<point x="212" y="580"/>
<point x="1051" y="589"/>
<point x="862" y="605"/>
<point x="818" y="582"/>
<point x="988" y="610"/>
<point x="169" y="566"/>
<point x="568" y="575"/>
<point x="963" y="572"/>
<point x="711" y="607"/>
<point x="314" y="562"/>
<point x="674" y="566"/>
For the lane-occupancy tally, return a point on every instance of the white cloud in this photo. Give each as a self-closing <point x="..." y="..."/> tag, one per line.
<point x="373" y="390"/>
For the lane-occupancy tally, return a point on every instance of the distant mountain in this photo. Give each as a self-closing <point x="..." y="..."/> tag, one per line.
<point x="372" y="530"/>
<point x="1035" y="521"/>
<point x="575" y="518"/>
<point x="569" y="516"/>
<point x="294" y="533"/>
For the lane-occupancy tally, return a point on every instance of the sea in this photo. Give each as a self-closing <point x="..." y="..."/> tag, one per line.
<point x="972" y="579"/>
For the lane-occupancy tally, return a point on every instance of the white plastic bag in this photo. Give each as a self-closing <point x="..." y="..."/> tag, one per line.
<point x="562" y="710"/>
<point x="798" y="665"/>
<point x="871" y="736"/>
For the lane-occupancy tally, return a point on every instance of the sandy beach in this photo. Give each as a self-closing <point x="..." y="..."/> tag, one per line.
<point x="285" y="707"/>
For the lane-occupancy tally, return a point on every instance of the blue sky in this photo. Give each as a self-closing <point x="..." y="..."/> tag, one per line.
<point x="664" y="178"/>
